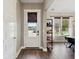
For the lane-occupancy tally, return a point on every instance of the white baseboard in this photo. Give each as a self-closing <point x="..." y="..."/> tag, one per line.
<point x="18" y="52"/>
<point x="40" y="47"/>
<point x="45" y="49"/>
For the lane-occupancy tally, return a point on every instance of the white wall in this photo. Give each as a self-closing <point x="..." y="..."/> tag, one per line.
<point x="72" y="26"/>
<point x="18" y="12"/>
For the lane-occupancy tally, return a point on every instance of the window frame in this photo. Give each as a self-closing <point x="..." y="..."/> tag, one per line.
<point x="60" y="27"/>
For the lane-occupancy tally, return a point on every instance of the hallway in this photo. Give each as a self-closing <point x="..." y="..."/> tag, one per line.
<point x="36" y="24"/>
<point x="59" y="51"/>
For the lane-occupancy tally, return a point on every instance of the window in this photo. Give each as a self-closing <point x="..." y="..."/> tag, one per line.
<point x="57" y="17"/>
<point x="32" y="24"/>
<point x="61" y="26"/>
<point x="57" y="26"/>
<point x="65" y="26"/>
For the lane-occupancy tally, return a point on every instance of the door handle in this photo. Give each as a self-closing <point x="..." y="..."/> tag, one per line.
<point x="37" y="32"/>
<point x="14" y="37"/>
<point x="34" y="31"/>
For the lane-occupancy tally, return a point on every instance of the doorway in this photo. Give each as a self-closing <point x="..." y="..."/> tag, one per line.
<point x="32" y="28"/>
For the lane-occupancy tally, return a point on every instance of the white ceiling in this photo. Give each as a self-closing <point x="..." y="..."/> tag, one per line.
<point x="32" y="1"/>
<point x="62" y="6"/>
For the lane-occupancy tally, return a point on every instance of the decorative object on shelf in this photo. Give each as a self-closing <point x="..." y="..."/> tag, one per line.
<point x="49" y="24"/>
<point x="49" y="37"/>
<point x="49" y="32"/>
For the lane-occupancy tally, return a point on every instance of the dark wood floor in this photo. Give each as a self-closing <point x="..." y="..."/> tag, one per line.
<point x="59" y="51"/>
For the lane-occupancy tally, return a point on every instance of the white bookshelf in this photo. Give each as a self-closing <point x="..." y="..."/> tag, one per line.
<point x="49" y="33"/>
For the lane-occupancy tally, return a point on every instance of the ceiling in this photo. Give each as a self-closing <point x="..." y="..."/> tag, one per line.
<point x="32" y="1"/>
<point x="57" y="5"/>
<point x="62" y="6"/>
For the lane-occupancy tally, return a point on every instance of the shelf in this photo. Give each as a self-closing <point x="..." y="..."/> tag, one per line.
<point x="49" y="41"/>
<point x="49" y="31"/>
<point x="49" y="28"/>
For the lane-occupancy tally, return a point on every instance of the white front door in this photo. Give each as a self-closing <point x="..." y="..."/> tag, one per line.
<point x="32" y="28"/>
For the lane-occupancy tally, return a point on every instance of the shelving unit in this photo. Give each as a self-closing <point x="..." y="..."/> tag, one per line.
<point x="49" y="34"/>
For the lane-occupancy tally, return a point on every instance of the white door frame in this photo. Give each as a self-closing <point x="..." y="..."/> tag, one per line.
<point x="25" y="24"/>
